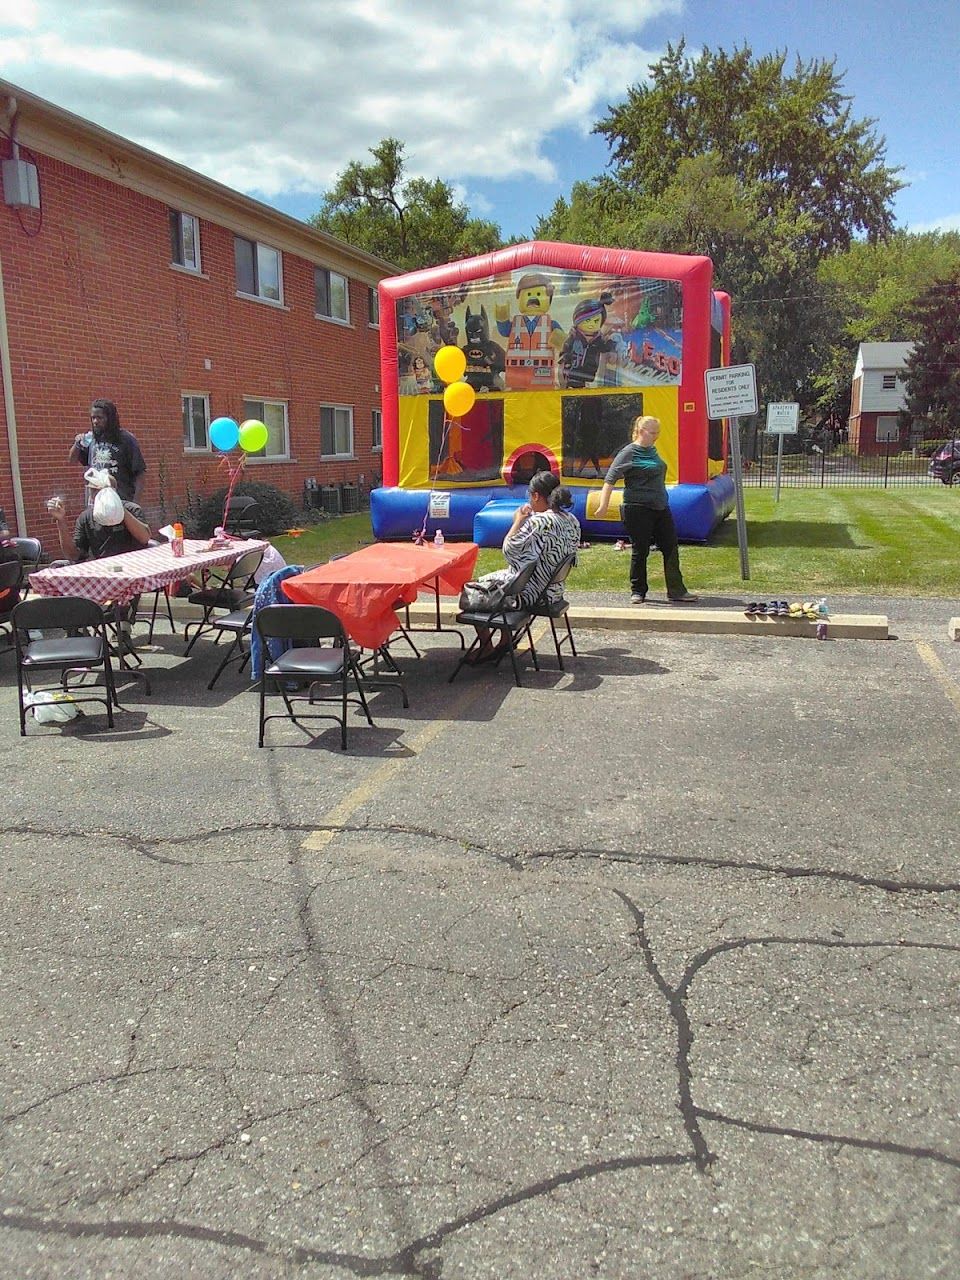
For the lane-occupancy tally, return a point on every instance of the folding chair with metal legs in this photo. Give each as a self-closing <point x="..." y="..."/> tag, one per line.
<point x="70" y="654"/>
<point x="308" y="663"/>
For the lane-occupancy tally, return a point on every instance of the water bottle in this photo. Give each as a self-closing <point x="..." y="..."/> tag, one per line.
<point x="176" y="542"/>
<point x="438" y="537"/>
<point x="822" y="609"/>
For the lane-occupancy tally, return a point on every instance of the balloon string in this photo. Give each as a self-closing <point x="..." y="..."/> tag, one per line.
<point x="234" y="477"/>
<point x="420" y="535"/>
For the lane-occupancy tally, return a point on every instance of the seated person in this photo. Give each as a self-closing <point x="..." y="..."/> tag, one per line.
<point x="9" y="596"/>
<point x="107" y="528"/>
<point x="543" y="531"/>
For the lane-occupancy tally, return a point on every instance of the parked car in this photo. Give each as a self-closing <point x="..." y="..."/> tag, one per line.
<point x="945" y="464"/>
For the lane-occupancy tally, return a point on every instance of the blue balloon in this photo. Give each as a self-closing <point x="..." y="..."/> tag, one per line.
<point x="224" y="434"/>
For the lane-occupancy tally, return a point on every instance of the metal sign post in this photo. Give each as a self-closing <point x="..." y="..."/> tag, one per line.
<point x="783" y="419"/>
<point x="730" y="393"/>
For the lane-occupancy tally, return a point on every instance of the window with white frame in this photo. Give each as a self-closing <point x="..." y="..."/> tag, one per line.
<point x="259" y="269"/>
<point x="373" y="299"/>
<point x="184" y="240"/>
<point x="376" y="432"/>
<point x="273" y="415"/>
<point x="196" y="421"/>
<point x="889" y="382"/>
<point x="333" y="295"/>
<point x="336" y="431"/>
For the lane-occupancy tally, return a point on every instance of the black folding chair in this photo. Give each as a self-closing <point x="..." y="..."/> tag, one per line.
<point x="512" y="622"/>
<point x="237" y="624"/>
<point x="544" y="607"/>
<point x="242" y="515"/>
<point x="11" y="581"/>
<point x="30" y="551"/>
<point x="308" y="625"/>
<point x="68" y="654"/>
<point x="235" y="590"/>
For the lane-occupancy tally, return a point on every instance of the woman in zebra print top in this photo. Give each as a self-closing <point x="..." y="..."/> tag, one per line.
<point x="543" y="532"/>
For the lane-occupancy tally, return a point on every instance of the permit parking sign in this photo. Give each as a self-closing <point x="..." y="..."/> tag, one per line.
<point x="731" y="392"/>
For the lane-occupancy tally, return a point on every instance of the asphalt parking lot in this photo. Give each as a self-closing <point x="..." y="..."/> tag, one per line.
<point x="648" y="968"/>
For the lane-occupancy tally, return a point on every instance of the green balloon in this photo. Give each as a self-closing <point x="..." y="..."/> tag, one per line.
<point x="253" y="435"/>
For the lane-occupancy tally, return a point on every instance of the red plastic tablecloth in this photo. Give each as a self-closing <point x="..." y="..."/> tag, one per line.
<point x="363" y="588"/>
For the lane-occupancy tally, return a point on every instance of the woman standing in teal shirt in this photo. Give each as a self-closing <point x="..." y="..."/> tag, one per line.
<point x="646" y="510"/>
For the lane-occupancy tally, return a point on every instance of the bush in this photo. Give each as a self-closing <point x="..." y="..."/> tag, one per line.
<point x="277" y="512"/>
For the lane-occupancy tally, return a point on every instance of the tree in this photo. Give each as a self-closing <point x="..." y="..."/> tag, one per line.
<point x="764" y="171"/>
<point x="410" y="222"/>
<point x="932" y="377"/>
<point x="873" y="289"/>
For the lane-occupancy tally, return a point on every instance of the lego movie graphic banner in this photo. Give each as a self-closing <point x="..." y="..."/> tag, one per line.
<point x="544" y="329"/>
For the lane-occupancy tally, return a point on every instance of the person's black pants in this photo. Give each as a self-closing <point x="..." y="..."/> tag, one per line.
<point x="646" y="526"/>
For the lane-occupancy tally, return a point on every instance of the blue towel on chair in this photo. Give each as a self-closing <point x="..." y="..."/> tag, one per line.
<point x="269" y="592"/>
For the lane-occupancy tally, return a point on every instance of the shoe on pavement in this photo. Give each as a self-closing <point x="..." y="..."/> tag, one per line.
<point x="686" y="598"/>
<point x="637" y="599"/>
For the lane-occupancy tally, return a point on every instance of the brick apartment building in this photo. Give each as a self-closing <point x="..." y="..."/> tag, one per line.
<point x="182" y="300"/>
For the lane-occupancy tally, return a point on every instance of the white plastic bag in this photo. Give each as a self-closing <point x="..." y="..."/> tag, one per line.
<point x="51" y="707"/>
<point x="271" y="562"/>
<point x="108" y="507"/>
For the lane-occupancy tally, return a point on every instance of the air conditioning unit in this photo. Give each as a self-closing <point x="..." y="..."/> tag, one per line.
<point x="350" y="498"/>
<point x="330" y="495"/>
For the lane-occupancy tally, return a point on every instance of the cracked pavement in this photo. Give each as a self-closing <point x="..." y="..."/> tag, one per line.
<point x="648" y="968"/>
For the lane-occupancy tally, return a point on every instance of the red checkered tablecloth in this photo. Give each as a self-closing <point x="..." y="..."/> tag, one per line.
<point x="120" y="578"/>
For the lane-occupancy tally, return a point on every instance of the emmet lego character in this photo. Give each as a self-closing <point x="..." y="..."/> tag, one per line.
<point x="533" y="339"/>
<point x="586" y="343"/>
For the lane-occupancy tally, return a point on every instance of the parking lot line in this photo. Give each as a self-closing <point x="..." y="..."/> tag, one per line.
<point x="949" y="685"/>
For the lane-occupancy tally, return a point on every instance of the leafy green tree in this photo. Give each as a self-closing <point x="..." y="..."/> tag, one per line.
<point x="762" y="169"/>
<point x="872" y="289"/>
<point x="932" y="376"/>
<point x="411" y="222"/>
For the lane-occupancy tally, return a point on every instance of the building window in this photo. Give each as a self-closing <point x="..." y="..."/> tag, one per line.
<point x="336" y="431"/>
<point x="333" y="295"/>
<point x="889" y="382"/>
<point x="376" y="418"/>
<point x="185" y="240"/>
<point x="258" y="269"/>
<point x="374" y="303"/>
<point x="196" y="420"/>
<point x="273" y="415"/>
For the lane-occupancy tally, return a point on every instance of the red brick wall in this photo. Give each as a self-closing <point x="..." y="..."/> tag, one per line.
<point x="95" y="309"/>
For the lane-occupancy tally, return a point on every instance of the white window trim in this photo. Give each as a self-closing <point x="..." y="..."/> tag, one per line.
<point x="344" y="322"/>
<point x="267" y="302"/>
<point x="376" y="448"/>
<point x="182" y="266"/>
<point x="188" y="271"/>
<point x="339" y="457"/>
<point x="259" y="297"/>
<point x="198" y="450"/>
<point x="373" y="324"/>
<point x="273" y="457"/>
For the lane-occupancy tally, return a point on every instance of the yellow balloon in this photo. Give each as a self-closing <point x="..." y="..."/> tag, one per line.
<point x="458" y="398"/>
<point x="450" y="364"/>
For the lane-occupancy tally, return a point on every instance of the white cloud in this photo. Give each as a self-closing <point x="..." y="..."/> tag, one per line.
<point x="951" y="222"/>
<point x="278" y="98"/>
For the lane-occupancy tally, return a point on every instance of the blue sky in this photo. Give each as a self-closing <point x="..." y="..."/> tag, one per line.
<point x="497" y="99"/>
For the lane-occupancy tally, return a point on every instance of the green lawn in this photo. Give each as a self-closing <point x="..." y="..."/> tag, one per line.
<point x="813" y="542"/>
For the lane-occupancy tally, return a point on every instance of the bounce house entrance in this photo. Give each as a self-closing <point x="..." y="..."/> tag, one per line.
<point x="525" y="466"/>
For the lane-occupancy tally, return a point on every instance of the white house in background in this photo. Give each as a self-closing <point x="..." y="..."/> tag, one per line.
<point x="878" y="395"/>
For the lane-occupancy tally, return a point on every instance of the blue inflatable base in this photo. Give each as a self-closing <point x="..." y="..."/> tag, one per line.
<point x="485" y="515"/>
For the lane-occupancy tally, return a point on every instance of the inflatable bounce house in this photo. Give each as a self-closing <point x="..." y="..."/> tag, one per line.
<point x="564" y="346"/>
